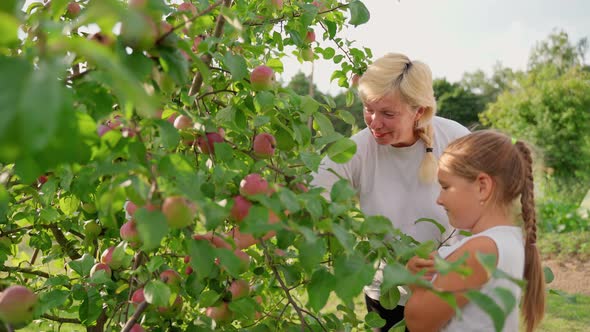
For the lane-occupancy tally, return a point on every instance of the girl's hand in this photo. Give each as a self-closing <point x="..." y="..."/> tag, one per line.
<point x="417" y="265"/>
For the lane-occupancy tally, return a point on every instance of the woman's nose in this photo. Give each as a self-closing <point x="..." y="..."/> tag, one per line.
<point x="375" y="122"/>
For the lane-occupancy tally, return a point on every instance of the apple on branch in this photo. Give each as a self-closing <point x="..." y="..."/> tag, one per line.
<point x="254" y="184"/>
<point x="137" y="297"/>
<point x="187" y="7"/>
<point x="179" y="211"/>
<point x="183" y="122"/>
<point x="130" y="234"/>
<point x="206" y="143"/>
<point x="310" y="37"/>
<point x="17" y="305"/>
<point x="172" y="278"/>
<point x="220" y="314"/>
<point x="277" y="4"/>
<point x="73" y="9"/>
<point x="136" y="328"/>
<point x="262" y="78"/>
<point x="100" y="266"/>
<point x="264" y="145"/>
<point x="240" y="208"/>
<point x="239" y="288"/>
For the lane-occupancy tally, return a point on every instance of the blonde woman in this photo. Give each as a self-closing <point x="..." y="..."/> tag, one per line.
<point x="394" y="168"/>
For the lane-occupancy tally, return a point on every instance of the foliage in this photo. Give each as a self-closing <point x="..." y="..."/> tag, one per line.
<point x="560" y="217"/>
<point x="565" y="245"/>
<point x="457" y="103"/>
<point x="489" y="88"/>
<point x="127" y="133"/>
<point x="550" y="107"/>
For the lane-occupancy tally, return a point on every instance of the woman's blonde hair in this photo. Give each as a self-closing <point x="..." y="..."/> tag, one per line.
<point x="393" y="73"/>
<point x="510" y="165"/>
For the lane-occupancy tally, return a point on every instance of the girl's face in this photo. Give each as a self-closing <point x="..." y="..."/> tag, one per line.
<point x="391" y="121"/>
<point x="460" y="198"/>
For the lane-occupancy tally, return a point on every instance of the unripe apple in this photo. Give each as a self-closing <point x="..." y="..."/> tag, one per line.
<point x="277" y="4"/>
<point x="172" y="310"/>
<point x="136" y="328"/>
<point x="264" y="145"/>
<point x="239" y="288"/>
<point x="129" y="232"/>
<point x="111" y="259"/>
<point x="240" y="209"/>
<point x="183" y="122"/>
<point x="92" y="229"/>
<point x="100" y="266"/>
<point x="207" y="143"/>
<point x="310" y="37"/>
<point x="179" y="211"/>
<point x="88" y="207"/>
<point x="262" y="78"/>
<point x="172" y="278"/>
<point x="17" y="304"/>
<point x="73" y="9"/>
<point x="137" y="297"/>
<point x="307" y="54"/>
<point x="220" y="313"/>
<point x="253" y="184"/>
<point x="102" y="129"/>
<point x="187" y="7"/>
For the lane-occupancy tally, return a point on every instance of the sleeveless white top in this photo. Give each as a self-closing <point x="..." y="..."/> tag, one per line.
<point x="510" y="244"/>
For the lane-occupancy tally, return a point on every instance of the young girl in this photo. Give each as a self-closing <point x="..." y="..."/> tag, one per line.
<point x="481" y="176"/>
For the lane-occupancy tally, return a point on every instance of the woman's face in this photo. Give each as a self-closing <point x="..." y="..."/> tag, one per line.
<point x="391" y="120"/>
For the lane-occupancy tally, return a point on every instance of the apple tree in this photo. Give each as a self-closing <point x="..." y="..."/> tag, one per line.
<point x="154" y="175"/>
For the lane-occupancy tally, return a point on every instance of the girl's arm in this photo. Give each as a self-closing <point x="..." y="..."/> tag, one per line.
<point x="425" y="311"/>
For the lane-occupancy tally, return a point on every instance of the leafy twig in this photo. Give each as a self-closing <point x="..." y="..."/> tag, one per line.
<point x="24" y="270"/>
<point x="61" y="319"/>
<point x="203" y="13"/>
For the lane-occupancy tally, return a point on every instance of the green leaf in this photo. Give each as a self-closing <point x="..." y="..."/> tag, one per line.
<point x="328" y="53"/>
<point x="342" y="150"/>
<point x="52" y="299"/>
<point x="342" y="191"/>
<point x="346" y="116"/>
<point x="311" y="252"/>
<point x="489" y="306"/>
<point x="319" y="289"/>
<point x="289" y="200"/>
<point x="345" y="238"/>
<point x="202" y="257"/>
<point x="549" y="276"/>
<point x="311" y="160"/>
<point x="90" y="308"/>
<point x="372" y="319"/>
<point x="237" y="66"/>
<point x="359" y="14"/>
<point x="82" y="265"/>
<point x="323" y="123"/>
<point x="157" y="293"/>
<point x="440" y="227"/>
<point x="395" y="274"/>
<point x="229" y="261"/>
<point x="168" y="134"/>
<point x="8" y="29"/>
<point x="352" y="274"/>
<point x="69" y="204"/>
<point x="276" y="65"/>
<point x="376" y="225"/>
<point x="245" y="307"/>
<point x="309" y="106"/>
<point x="389" y="298"/>
<point x="152" y="228"/>
<point x="508" y="299"/>
<point x="174" y="63"/>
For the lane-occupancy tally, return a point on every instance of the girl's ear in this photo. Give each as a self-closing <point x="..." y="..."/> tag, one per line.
<point x="485" y="185"/>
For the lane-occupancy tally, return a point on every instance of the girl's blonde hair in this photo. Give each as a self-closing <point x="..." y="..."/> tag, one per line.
<point x="510" y="165"/>
<point x="393" y="73"/>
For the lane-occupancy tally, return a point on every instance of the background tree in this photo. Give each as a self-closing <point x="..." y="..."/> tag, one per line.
<point x="550" y="106"/>
<point x="458" y="103"/>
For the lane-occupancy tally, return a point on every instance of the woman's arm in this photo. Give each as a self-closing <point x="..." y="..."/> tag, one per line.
<point x="425" y="311"/>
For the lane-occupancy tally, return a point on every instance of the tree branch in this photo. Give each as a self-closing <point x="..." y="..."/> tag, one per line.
<point x="142" y="306"/>
<point x="24" y="270"/>
<point x="296" y="14"/>
<point x="285" y="289"/>
<point x="203" y="13"/>
<point x="63" y="242"/>
<point x="207" y="58"/>
<point x="61" y="319"/>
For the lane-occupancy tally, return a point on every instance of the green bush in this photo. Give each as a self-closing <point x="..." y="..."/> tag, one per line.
<point x="561" y="217"/>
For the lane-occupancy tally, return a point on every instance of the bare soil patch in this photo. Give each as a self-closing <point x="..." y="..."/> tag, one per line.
<point x="571" y="275"/>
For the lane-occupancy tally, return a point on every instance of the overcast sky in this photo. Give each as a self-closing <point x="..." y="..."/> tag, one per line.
<point x="455" y="36"/>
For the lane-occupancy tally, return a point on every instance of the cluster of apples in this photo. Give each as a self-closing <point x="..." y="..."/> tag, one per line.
<point x="205" y="142"/>
<point x="17" y="306"/>
<point x="173" y="279"/>
<point x="114" y="123"/>
<point x="221" y="313"/>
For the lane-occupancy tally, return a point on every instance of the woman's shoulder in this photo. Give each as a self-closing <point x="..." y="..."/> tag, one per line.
<point x="447" y="130"/>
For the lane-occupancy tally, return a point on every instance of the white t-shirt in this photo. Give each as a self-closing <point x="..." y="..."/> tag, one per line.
<point x="510" y="246"/>
<point x="386" y="179"/>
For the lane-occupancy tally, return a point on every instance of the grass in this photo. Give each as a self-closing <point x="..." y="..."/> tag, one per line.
<point x="566" y="313"/>
<point x="565" y="245"/>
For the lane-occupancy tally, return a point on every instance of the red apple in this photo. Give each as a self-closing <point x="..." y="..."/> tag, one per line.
<point x="130" y="208"/>
<point x="129" y="233"/>
<point x="73" y="9"/>
<point x="220" y="313"/>
<point x="138" y="4"/>
<point x="187" y="7"/>
<point x="115" y="122"/>
<point x="355" y="80"/>
<point x="262" y="78"/>
<point x="240" y="209"/>
<point x="113" y="257"/>
<point x="42" y="179"/>
<point x="138" y="297"/>
<point x="172" y="278"/>
<point x="310" y="37"/>
<point x="136" y="328"/>
<point x="188" y="270"/>
<point x="198" y="39"/>
<point x="253" y="184"/>
<point x="183" y="122"/>
<point x="207" y="143"/>
<point x="179" y="211"/>
<point x="100" y="266"/>
<point x="239" y="288"/>
<point x="17" y="304"/>
<point x="187" y="259"/>
<point x="264" y="145"/>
